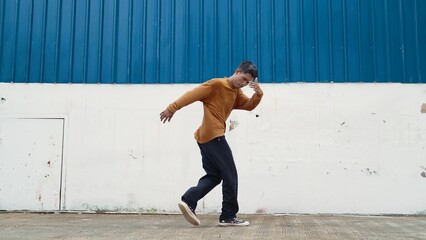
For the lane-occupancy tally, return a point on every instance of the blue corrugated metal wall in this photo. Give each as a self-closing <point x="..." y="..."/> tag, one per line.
<point x="190" y="41"/>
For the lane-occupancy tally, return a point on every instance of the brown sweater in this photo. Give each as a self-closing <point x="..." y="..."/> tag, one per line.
<point x="219" y="99"/>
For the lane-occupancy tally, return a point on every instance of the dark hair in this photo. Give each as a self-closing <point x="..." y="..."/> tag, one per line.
<point x="248" y="67"/>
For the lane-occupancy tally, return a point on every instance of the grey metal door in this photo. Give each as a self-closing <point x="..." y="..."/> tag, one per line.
<point x="31" y="163"/>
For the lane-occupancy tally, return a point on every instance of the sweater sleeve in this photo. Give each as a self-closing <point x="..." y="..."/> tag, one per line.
<point x="245" y="103"/>
<point x="197" y="94"/>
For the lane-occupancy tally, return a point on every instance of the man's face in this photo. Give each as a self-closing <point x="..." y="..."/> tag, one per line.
<point x="241" y="79"/>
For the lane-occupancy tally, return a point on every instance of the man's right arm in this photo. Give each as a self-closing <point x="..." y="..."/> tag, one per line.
<point x="166" y="115"/>
<point x="196" y="94"/>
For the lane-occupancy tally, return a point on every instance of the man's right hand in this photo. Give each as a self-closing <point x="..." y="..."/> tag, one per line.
<point x="166" y="115"/>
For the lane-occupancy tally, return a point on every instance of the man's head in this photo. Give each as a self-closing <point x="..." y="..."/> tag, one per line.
<point x="245" y="73"/>
<point x="248" y="67"/>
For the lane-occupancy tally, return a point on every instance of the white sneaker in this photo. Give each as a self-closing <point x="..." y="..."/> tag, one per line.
<point x="188" y="213"/>
<point x="233" y="222"/>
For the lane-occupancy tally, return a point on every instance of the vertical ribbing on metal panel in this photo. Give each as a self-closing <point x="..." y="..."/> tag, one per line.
<point x="302" y="44"/>
<point x="101" y="17"/>
<point x="229" y="49"/>
<point x="114" y="37"/>
<point x="129" y="41"/>
<point x="287" y="42"/>
<point x="2" y="9"/>
<point x="330" y="43"/>
<point x="201" y="40"/>
<point x="359" y="67"/>
<point x="244" y="30"/>
<point x="86" y="41"/>
<point x="345" y="42"/>
<point x="387" y="56"/>
<point x="316" y="41"/>
<point x="72" y="40"/>
<point x="172" y="52"/>
<point x="43" y="41"/>
<point x="373" y="36"/>
<point x="30" y="31"/>
<point x="258" y="37"/>
<point x="158" y="41"/>
<point x="402" y="39"/>
<point x="273" y="41"/>
<point x="290" y="40"/>
<point x="416" y="37"/>
<point x="15" y="37"/>
<point x="58" y="40"/>
<point x="215" y="40"/>
<point x="186" y="38"/>
<point x="143" y="37"/>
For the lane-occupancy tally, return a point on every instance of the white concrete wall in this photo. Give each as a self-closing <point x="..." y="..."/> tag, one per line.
<point x="307" y="148"/>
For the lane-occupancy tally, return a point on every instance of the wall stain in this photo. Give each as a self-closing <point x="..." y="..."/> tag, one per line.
<point x="131" y="155"/>
<point x="261" y="211"/>
<point x="423" y="174"/>
<point x="233" y="125"/>
<point x="423" y="108"/>
<point x="369" y="172"/>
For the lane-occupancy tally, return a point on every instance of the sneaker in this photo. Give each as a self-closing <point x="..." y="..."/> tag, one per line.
<point x="188" y="213"/>
<point x="233" y="222"/>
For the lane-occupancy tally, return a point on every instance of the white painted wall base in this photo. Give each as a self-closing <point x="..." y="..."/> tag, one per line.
<point x="307" y="148"/>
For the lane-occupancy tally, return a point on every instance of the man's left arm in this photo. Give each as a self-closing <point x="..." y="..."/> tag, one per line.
<point x="246" y="103"/>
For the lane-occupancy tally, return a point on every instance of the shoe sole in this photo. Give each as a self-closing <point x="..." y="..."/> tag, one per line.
<point x="188" y="214"/>
<point x="233" y="224"/>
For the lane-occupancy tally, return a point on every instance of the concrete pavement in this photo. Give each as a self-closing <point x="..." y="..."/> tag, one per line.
<point x="133" y="226"/>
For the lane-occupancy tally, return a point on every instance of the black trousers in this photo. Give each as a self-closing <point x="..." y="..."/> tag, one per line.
<point x="219" y="166"/>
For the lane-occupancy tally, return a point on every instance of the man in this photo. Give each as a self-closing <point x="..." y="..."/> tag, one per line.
<point x="219" y="97"/>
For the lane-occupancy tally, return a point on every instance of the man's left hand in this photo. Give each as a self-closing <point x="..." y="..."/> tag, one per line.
<point x="255" y="86"/>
